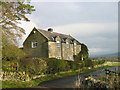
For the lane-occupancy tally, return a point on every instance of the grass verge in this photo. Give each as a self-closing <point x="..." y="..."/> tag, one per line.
<point x="36" y="82"/>
<point x="93" y="69"/>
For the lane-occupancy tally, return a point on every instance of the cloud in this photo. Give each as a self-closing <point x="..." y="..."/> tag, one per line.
<point x="54" y="13"/>
<point x="88" y="29"/>
<point x="101" y="38"/>
<point x="75" y="0"/>
<point x="92" y="23"/>
<point x="100" y="51"/>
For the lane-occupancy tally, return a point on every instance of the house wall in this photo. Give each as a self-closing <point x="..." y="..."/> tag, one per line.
<point x="54" y="51"/>
<point x="64" y="52"/>
<point x="67" y="53"/>
<point x="78" y="49"/>
<point x="49" y="49"/>
<point x="42" y="46"/>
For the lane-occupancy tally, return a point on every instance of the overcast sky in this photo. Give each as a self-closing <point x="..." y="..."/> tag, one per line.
<point x="92" y="23"/>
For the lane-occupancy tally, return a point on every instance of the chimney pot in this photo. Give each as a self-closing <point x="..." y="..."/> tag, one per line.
<point x="50" y="29"/>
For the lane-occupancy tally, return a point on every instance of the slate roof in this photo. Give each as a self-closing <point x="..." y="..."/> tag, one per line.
<point x="51" y="35"/>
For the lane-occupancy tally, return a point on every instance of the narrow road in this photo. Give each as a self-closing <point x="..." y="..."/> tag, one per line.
<point x="69" y="82"/>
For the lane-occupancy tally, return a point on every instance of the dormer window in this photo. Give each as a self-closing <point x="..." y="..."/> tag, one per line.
<point x="53" y="38"/>
<point x="58" y="43"/>
<point x="34" y="44"/>
<point x="63" y="39"/>
<point x="71" y="41"/>
<point x="67" y="44"/>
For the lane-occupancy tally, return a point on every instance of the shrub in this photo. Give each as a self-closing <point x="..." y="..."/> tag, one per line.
<point x="33" y="66"/>
<point x="88" y="63"/>
<point x="56" y="65"/>
<point x="52" y="66"/>
<point x="73" y="65"/>
<point x="10" y="65"/>
<point x="12" y="52"/>
<point x="39" y="66"/>
<point x="62" y="65"/>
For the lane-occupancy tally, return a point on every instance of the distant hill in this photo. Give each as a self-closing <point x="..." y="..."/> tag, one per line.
<point x="108" y="55"/>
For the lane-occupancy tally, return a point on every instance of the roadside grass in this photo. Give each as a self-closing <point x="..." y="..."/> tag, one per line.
<point x="93" y="69"/>
<point x="36" y="82"/>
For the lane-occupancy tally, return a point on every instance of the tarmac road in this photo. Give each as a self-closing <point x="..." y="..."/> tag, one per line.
<point x="69" y="82"/>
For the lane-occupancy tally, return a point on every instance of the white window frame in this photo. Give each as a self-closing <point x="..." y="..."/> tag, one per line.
<point x="70" y="57"/>
<point x="63" y="39"/>
<point x="53" y="38"/>
<point x="67" y="45"/>
<point x="58" y="44"/>
<point x="75" y="45"/>
<point x="34" y="44"/>
<point x="58" y="57"/>
<point x="71" y="41"/>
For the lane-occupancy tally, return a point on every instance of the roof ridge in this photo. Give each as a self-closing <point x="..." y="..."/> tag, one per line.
<point x="54" y="32"/>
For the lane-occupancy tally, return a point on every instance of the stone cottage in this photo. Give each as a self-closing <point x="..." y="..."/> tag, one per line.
<point x="49" y="44"/>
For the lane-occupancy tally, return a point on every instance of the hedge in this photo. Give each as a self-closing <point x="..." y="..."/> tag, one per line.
<point x="40" y="66"/>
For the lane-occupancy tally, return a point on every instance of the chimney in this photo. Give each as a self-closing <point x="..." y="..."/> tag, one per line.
<point x="50" y="29"/>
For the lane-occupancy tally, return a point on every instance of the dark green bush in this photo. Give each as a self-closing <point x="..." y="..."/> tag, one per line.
<point x="12" y="65"/>
<point x="88" y="63"/>
<point x="56" y="65"/>
<point x="63" y="65"/>
<point x="33" y="66"/>
<point x="28" y="66"/>
<point x="12" y="52"/>
<point x="38" y="66"/>
<point x="73" y="65"/>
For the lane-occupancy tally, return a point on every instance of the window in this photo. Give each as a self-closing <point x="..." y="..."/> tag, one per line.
<point x="63" y="39"/>
<point x="70" y="57"/>
<point x="58" y="43"/>
<point x="71" y="41"/>
<point x="53" y="38"/>
<point x="67" y="44"/>
<point x="34" y="31"/>
<point x="75" y="45"/>
<point x="33" y="44"/>
<point x="58" y="57"/>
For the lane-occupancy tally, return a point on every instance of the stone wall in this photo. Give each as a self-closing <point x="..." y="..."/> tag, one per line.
<point x="53" y="50"/>
<point x="78" y="49"/>
<point x="42" y="46"/>
<point x="14" y="76"/>
<point x="49" y="49"/>
<point x="65" y="51"/>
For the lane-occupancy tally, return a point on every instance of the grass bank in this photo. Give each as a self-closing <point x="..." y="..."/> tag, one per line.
<point x="36" y="82"/>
